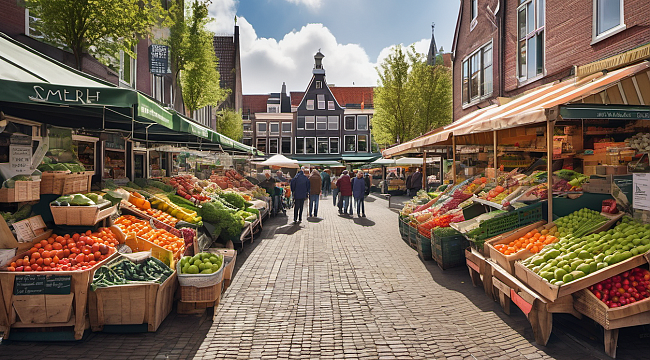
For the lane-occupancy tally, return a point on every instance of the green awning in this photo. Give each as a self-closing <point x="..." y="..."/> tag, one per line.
<point x="151" y="110"/>
<point x="620" y="112"/>
<point x="367" y="157"/>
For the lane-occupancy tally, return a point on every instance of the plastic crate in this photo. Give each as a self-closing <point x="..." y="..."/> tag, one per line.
<point x="448" y="251"/>
<point x="424" y="247"/>
<point x="412" y="235"/>
<point x="509" y="221"/>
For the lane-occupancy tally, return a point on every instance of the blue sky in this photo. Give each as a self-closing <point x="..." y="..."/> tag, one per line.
<point x="279" y="37"/>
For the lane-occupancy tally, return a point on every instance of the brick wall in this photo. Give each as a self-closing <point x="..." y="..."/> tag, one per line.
<point x="568" y="38"/>
<point x="12" y="18"/>
<point x="466" y="42"/>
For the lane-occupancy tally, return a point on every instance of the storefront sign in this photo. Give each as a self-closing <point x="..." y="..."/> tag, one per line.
<point x="20" y="158"/>
<point x="149" y="109"/>
<point x="199" y="131"/>
<point x="159" y="59"/>
<point x="42" y="284"/>
<point x="25" y="92"/>
<point x="603" y="112"/>
<point x="641" y="192"/>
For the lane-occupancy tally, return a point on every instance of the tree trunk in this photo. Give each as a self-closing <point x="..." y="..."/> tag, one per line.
<point x="78" y="57"/>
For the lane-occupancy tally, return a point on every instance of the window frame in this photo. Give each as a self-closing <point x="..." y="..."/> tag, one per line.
<point x="473" y="9"/>
<point x="257" y="144"/>
<point x="327" y="143"/>
<point x="322" y="102"/>
<point x="362" y="135"/>
<point x="338" y="145"/>
<point x="277" y="146"/>
<point x="310" y="120"/>
<point x="271" y="132"/>
<point x="286" y="131"/>
<point x="345" y="149"/>
<point x="319" y="84"/>
<point x="333" y="120"/>
<point x="330" y="105"/>
<point x="345" y="127"/>
<point x="367" y="122"/>
<point x="310" y="104"/>
<point x="282" y="145"/>
<point x="298" y="127"/>
<point x="257" y="128"/>
<point x="274" y="107"/>
<point x="319" y="121"/>
<point x="535" y="33"/>
<point x="467" y="98"/>
<point x="315" y="147"/>
<point x="296" y="147"/>
<point x="247" y="141"/>
<point x="595" y="37"/>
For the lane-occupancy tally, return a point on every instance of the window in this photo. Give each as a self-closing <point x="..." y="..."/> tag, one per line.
<point x="350" y="143"/>
<point x="321" y="102"/>
<point x="309" y="122"/>
<point x="300" y="145"/>
<point x="362" y="122"/>
<point x="530" y="32"/>
<point x="261" y="128"/>
<point x="274" y="128"/>
<point x="158" y="87"/>
<point x="608" y="18"/>
<point x="477" y="74"/>
<point x="286" y="127"/>
<point x="310" y="104"/>
<point x="273" y="146"/>
<point x="330" y="105"/>
<point x="349" y="123"/>
<point x="323" y="145"/>
<point x="286" y="145"/>
<point x="310" y="145"/>
<point x="332" y="122"/>
<point x="321" y="122"/>
<point x="127" y="69"/>
<point x="247" y="126"/>
<point x="334" y="145"/>
<point x="273" y="109"/>
<point x="261" y="144"/>
<point x="248" y="141"/>
<point x="362" y="143"/>
<point x="474" y="9"/>
<point x="301" y="122"/>
<point x="319" y="84"/>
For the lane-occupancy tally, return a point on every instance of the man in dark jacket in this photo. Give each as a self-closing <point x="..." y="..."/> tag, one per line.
<point x="358" y="191"/>
<point x="345" y="189"/>
<point x="416" y="182"/>
<point x="366" y="179"/>
<point x="326" y="181"/>
<point x="300" y="190"/>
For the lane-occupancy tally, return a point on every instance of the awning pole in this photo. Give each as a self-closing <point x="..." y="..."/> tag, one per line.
<point x="424" y="170"/>
<point x="550" y="125"/>
<point x="453" y="164"/>
<point x="494" y="138"/>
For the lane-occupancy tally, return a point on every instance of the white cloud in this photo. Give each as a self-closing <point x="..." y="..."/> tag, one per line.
<point x="312" y="4"/>
<point x="267" y="63"/>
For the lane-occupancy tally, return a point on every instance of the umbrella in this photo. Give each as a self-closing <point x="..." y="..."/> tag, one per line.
<point x="384" y="162"/>
<point x="279" y="161"/>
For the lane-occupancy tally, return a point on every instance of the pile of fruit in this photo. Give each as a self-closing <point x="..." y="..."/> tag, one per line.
<point x="162" y="217"/>
<point x="187" y="188"/>
<point x="533" y="241"/>
<point x="139" y="201"/>
<point x="68" y="253"/>
<point x="574" y="257"/>
<point x="160" y="237"/>
<point x="203" y="263"/>
<point x="623" y="289"/>
<point x="580" y="222"/>
<point x="161" y="203"/>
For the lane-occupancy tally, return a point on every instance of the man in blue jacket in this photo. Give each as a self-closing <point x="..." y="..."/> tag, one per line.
<point x="300" y="190"/>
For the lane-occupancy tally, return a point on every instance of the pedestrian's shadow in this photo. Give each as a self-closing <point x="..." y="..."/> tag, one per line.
<point x="363" y="222"/>
<point x="314" y="219"/>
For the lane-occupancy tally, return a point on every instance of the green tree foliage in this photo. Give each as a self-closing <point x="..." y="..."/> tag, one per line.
<point x="99" y="27"/>
<point x="412" y="97"/>
<point x="229" y="123"/>
<point x="193" y="56"/>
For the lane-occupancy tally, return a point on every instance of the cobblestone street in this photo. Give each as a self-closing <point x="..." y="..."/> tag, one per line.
<point x="341" y="287"/>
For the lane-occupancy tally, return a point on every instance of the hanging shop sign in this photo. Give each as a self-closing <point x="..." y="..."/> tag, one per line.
<point x="605" y="112"/>
<point x="159" y="59"/>
<point x="26" y="92"/>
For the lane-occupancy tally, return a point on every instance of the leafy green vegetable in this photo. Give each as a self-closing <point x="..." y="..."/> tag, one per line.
<point x="216" y="214"/>
<point x="235" y="199"/>
<point x="160" y="185"/>
<point x="81" y="200"/>
<point x="131" y="184"/>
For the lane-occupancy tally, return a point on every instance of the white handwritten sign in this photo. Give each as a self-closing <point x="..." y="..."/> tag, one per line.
<point x="20" y="158"/>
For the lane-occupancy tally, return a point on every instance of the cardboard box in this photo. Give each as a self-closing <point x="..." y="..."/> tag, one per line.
<point x="599" y="185"/>
<point x="616" y="169"/>
<point x="589" y="170"/>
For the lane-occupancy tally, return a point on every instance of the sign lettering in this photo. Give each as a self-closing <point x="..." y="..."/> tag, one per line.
<point x="40" y="95"/>
<point x="42" y="284"/>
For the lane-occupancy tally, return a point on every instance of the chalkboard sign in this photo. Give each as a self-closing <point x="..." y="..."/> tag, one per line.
<point x="42" y="284"/>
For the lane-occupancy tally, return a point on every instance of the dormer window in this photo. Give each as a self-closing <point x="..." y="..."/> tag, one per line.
<point x="319" y="84"/>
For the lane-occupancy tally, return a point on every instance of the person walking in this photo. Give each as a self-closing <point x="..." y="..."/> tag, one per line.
<point x="300" y="189"/>
<point x="269" y="185"/>
<point x="409" y="178"/>
<point x="345" y="189"/>
<point x="366" y="178"/>
<point x="359" y="192"/>
<point x="416" y="182"/>
<point x="335" y="191"/>
<point x="316" y="185"/>
<point x="326" y="181"/>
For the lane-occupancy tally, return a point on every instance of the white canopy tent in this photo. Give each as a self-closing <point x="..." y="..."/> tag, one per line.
<point x="279" y="161"/>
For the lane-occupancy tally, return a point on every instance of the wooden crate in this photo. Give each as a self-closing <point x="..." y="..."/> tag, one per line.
<point x="131" y="304"/>
<point x="139" y="244"/>
<point x="64" y="183"/>
<point x="80" y="215"/>
<point x="638" y="313"/>
<point x="507" y="262"/>
<point x="480" y="270"/>
<point x="229" y="259"/>
<point x="22" y="191"/>
<point x="553" y="292"/>
<point x="47" y="310"/>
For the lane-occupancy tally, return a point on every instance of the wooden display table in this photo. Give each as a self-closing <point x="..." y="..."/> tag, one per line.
<point x="480" y="271"/>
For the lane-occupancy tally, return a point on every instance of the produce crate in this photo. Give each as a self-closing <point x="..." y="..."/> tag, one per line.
<point x="504" y="223"/>
<point x="638" y="313"/>
<point x="80" y="215"/>
<point x="132" y="304"/>
<point x="404" y="229"/>
<point x="507" y="262"/>
<point x="448" y="251"/>
<point x="22" y="191"/>
<point x="413" y="236"/>
<point x="424" y="247"/>
<point x="229" y="259"/>
<point x="515" y="163"/>
<point x="139" y="244"/>
<point x="61" y="303"/>
<point x="64" y="183"/>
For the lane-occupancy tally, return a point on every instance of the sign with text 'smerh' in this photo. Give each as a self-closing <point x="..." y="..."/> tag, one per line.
<point x="159" y="59"/>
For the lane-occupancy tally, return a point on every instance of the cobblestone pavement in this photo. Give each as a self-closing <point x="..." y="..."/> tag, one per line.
<point x="341" y="287"/>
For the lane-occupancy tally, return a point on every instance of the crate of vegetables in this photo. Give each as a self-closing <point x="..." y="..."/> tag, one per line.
<point x="47" y="286"/>
<point x="81" y="209"/>
<point x="423" y="246"/>
<point x="132" y="289"/>
<point x="160" y="237"/>
<point x="448" y="247"/>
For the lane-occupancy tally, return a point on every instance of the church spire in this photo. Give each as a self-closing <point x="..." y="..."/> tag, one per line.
<point x="433" y="49"/>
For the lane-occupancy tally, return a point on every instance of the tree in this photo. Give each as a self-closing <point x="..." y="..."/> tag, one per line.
<point x="100" y="27"/>
<point x="412" y="97"/>
<point x="193" y="57"/>
<point x="229" y="123"/>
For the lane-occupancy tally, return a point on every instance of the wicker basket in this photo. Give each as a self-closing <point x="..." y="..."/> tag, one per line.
<point x="201" y="294"/>
<point x="199" y="280"/>
<point x="80" y="215"/>
<point x="64" y="183"/>
<point x="22" y="191"/>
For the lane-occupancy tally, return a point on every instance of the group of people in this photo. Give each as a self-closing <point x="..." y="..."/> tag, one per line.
<point x="313" y="184"/>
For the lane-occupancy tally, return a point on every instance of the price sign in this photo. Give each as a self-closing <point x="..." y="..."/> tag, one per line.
<point x="42" y="284"/>
<point x="20" y="159"/>
<point x="641" y="192"/>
